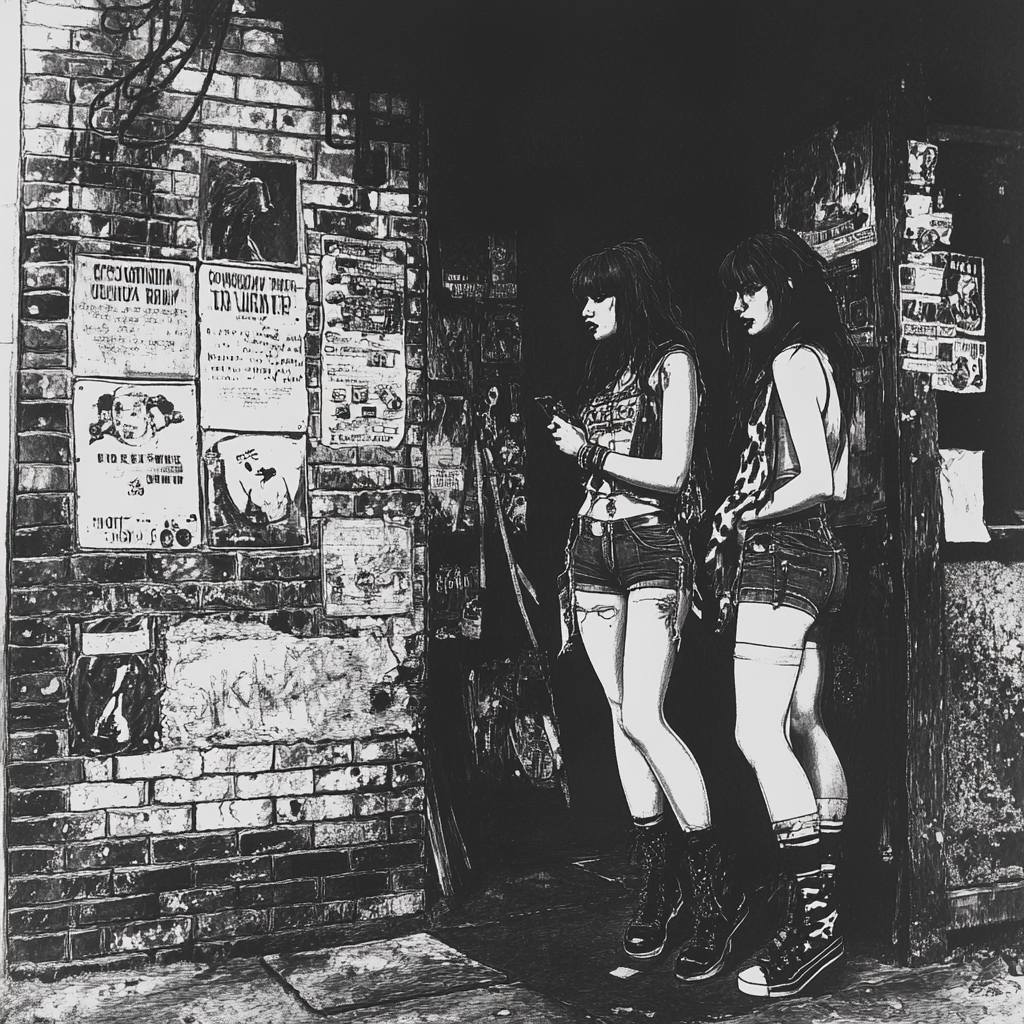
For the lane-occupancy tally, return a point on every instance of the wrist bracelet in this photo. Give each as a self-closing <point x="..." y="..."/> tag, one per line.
<point x="583" y="456"/>
<point x="598" y="457"/>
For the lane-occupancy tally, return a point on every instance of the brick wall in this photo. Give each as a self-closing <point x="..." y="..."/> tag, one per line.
<point x="197" y="852"/>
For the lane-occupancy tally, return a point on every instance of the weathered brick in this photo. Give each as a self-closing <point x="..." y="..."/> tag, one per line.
<point x="191" y="565"/>
<point x="233" y="814"/>
<point x="170" y="932"/>
<point x="335" y="165"/>
<point x="147" y="597"/>
<point x="304" y="594"/>
<point x="314" y="808"/>
<point x="48" y="196"/>
<point x="50" y="658"/>
<point x="378" y="907"/>
<point x="42" y="509"/>
<point x="46" y="168"/>
<point x="409" y="773"/>
<point x="180" y="791"/>
<point x="308" y="755"/>
<point x="280" y="840"/>
<point x="413" y="876"/>
<point x="293" y="783"/>
<point x="64" y="828"/>
<point x="43" y="478"/>
<point x="235" y="872"/>
<point x="29" y="717"/>
<point x="355" y="886"/>
<point x="31" y="891"/>
<point x="107" y="854"/>
<point x="344" y="780"/>
<point x="60" y="16"/>
<point x="38" y="948"/>
<point x="231" y="923"/>
<point x="45" y="919"/>
<point x="240" y="595"/>
<point x="339" y="911"/>
<point x="34" y="746"/>
<point x="63" y="772"/>
<point x="109" y="568"/>
<point x="49" y="416"/>
<point x="132" y="881"/>
<point x="149" y="821"/>
<point x="192" y="901"/>
<point x="88" y="943"/>
<point x="250" y="759"/>
<point x="53" y="600"/>
<point x="307" y="915"/>
<point x="350" y="833"/>
<point x="247" y="115"/>
<point x="34" y="803"/>
<point x="37" y="860"/>
<point x="405" y="826"/>
<point x="129" y="908"/>
<point x="311" y="864"/>
<point x="98" y="769"/>
<point x="182" y="764"/>
<point x="375" y="750"/>
<point x="195" y="847"/>
<point x="273" y="566"/>
<point x="247" y="64"/>
<point x="47" y="142"/>
<point x="356" y="478"/>
<point x="44" y="448"/>
<point x="368" y="805"/>
<point x="94" y="796"/>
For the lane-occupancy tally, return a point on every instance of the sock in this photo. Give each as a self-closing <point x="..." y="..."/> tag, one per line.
<point x="652" y="822"/>
<point x="831" y="814"/>
<point x="800" y="843"/>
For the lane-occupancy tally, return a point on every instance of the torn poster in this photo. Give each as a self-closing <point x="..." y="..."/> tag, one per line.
<point x="450" y="339"/>
<point x="965" y="371"/>
<point x="922" y="159"/>
<point x="963" y="496"/>
<point x="850" y="282"/>
<point x="964" y="285"/>
<point x="916" y="205"/>
<point x="447" y="459"/>
<point x="252" y="364"/>
<point x="367" y="567"/>
<point x="501" y="340"/>
<point x="133" y="318"/>
<point x="362" y="287"/>
<point x="137" y="481"/>
<point x="926" y="232"/>
<point x="826" y="192"/>
<point x="255" y="493"/>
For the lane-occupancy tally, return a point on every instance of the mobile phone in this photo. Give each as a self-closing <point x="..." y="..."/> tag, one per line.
<point x="551" y="406"/>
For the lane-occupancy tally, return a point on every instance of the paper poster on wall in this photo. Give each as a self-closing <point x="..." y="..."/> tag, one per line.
<point x="916" y="205"/>
<point x="501" y="340"/>
<point x="133" y="318"/>
<point x="928" y="231"/>
<point x="501" y="252"/>
<point x="826" y="192"/>
<point x="450" y="339"/>
<point x="367" y="567"/>
<point x="362" y="375"/>
<point x="137" y="482"/>
<point x="448" y="456"/>
<point x="964" y="371"/>
<point x="255" y="491"/>
<point x="964" y="284"/>
<point x="963" y="496"/>
<point x="922" y="159"/>
<point x="252" y="361"/>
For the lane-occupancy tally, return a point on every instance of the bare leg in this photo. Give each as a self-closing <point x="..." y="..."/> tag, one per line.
<point x="602" y="623"/>
<point x="649" y="656"/>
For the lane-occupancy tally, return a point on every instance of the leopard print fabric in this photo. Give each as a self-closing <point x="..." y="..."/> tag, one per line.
<point x="751" y="487"/>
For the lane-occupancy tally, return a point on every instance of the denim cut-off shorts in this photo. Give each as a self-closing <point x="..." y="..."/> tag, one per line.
<point x="794" y="563"/>
<point x="617" y="556"/>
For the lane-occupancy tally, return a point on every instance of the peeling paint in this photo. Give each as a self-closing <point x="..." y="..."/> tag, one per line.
<point x="232" y="682"/>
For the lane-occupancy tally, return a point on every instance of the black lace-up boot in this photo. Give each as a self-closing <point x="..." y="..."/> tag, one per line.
<point x="720" y="907"/>
<point x="662" y="895"/>
<point x="806" y="945"/>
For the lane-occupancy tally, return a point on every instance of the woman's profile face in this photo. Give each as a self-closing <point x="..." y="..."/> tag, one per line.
<point x="755" y="309"/>
<point x="599" y="316"/>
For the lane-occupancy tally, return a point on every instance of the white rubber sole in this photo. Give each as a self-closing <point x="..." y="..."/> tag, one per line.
<point x="752" y="981"/>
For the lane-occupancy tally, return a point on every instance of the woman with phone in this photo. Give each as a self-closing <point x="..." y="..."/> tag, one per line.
<point x="629" y="581"/>
<point x="795" y="397"/>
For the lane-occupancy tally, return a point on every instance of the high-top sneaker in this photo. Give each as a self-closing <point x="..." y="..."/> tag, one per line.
<point x="662" y="894"/>
<point x="720" y="907"/>
<point x="804" y="948"/>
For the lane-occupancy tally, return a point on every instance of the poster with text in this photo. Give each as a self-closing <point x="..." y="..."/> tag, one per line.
<point x="362" y="368"/>
<point x="964" y="371"/>
<point x="133" y="318"/>
<point x="922" y="159"/>
<point x="255" y="490"/>
<point x="928" y="231"/>
<point x="252" y="362"/>
<point x="367" y="567"/>
<point x="826" y="193"/>
<point x="448" y="458"/>
<point x="137" y="481"/>
<point x="964" y="285"/>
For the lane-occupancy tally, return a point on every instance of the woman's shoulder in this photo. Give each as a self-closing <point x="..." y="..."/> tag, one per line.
<point x="802" y="365"/>
<point x="674" y="356"/>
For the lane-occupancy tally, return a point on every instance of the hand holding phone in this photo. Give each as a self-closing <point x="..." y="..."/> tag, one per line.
<point x="552" y="407"/>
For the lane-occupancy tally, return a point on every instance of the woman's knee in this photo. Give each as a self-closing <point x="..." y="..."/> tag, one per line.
<point x="757" y="742"/>
<point x="640" y="721"/>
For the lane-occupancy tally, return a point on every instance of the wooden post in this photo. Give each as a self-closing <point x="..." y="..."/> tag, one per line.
<point x="915" y="522"/>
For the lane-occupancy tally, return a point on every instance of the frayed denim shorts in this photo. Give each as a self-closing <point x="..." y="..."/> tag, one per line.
<point x="795" y="562"/>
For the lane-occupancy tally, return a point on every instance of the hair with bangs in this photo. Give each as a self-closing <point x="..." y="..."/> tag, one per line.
<point x="646" y="316"/>
<point x="803" y="307"/>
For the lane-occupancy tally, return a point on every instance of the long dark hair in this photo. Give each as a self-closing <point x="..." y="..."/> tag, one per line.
<point x="804" y="312"/>
<point x="646" y="316"/>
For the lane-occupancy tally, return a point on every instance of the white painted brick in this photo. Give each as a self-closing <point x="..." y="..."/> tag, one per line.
<point x="98" y="769"/>
<point x="407" y="747"/>
<point x="394" y="202"/>
<point x="37" y="13"/>
<point x="172" y="932"/>
<point x="234" y="814"/>
<point x="369" y="804"/>
<point x="47" y="141"/>
<point x="345" y="780"/>
<point x="301" y="71"/>
<point x="251" y="759"/>
<point x="240" y="115"/>
<point x="307" y="755"/>
<point x="272" y="144"/>
<point x="38" y="37"/>
<point x="275" y="784"/>
<point x="375" y="750"/>
<point x="88" y="826"/>
<point x="278" y="94"/>
<point x="319" y="193"/>
<point x="313" y="808"/>
<point x="186" y="184"/>
<point x="189" y="81"/>
<point x="181" y="764"/>
<point x="257" y="40"/>
<point x="299" y="122"/>
<point x="92" y="796"/>
<point x="372" y="908"/>
<point x="350" y="833"/>
<point x="184" y="791"/>
<point x="150" y="822"/>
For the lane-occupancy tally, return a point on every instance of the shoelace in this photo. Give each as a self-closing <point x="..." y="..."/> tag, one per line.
<point x="653" y="855"/>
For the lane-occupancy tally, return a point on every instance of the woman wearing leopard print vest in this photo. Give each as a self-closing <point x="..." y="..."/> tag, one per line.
<point x="795" y="392"/>
<point x="629" y="582"/>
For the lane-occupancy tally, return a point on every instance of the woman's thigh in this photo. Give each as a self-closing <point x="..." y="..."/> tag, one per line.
<point x="650" y="647"/>
<point x="601" y="618"/>
<point x="766" y="625"/>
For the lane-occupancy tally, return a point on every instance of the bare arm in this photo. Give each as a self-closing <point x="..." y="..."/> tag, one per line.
<point x="802" y="390"/>
<point x="679" y="418"/>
